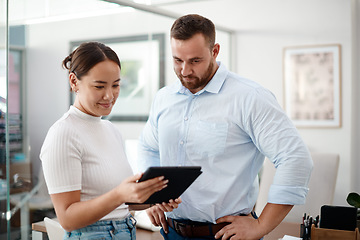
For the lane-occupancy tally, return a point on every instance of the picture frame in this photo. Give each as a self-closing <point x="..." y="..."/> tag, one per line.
<point x="312" y="79"/>
<point x="142" y="73"/>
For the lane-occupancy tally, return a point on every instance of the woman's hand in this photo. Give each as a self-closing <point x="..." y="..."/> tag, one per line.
<point x="138" y="192"/>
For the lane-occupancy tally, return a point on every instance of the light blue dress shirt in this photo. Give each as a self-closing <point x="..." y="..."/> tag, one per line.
<point x="226" y="128"/>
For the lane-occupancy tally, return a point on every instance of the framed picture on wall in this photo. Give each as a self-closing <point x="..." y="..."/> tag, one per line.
<point x="142" y="73"/>
<point x="312" y="79"/>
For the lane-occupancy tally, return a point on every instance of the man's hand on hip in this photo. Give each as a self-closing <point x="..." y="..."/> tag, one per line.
<point x="240" y="228"/>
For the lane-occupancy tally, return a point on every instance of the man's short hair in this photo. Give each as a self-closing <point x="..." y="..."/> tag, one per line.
<point x="187" y="26"/>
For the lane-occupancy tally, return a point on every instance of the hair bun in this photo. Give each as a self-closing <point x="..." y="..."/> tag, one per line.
<point x="67" y="62"/>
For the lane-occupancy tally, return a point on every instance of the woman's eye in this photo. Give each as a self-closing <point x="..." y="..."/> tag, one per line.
<point x="99" y="87"/>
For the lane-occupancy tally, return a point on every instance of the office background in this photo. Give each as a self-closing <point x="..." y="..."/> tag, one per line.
<point x="259" y="30"/>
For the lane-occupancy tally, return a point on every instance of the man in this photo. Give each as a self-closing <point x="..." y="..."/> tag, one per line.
<point x="225" y="124"/>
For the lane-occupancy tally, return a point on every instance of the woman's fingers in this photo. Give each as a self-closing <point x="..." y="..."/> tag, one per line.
<point x="153" y="185"/>
<point x="134" y="178"/>
<point x="143" y="190"/>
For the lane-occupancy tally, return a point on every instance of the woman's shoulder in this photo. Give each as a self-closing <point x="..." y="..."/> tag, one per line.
<point x="64" y="124"/>
<point x="111" y="127"/>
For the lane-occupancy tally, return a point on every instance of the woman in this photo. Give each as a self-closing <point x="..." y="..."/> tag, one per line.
<point x="85" y="166"/>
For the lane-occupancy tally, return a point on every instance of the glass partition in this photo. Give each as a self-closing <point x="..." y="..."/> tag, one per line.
<point x="34" y="89"/>
<point x="15" y="172"/>
<point x="4" y="131"/>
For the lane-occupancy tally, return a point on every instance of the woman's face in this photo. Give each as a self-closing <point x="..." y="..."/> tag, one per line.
<point x="97" y="91"/>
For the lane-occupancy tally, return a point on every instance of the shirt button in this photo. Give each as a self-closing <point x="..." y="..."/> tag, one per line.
<point x="181" y="142"/>
<point x="186" y="118"/>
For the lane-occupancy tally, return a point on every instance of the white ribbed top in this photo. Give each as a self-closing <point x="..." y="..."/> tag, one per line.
<point x="83" y="152"/>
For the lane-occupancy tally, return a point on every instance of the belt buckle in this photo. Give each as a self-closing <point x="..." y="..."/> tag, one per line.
<point x="180" y="228"/>
<point x="178" y="225"/>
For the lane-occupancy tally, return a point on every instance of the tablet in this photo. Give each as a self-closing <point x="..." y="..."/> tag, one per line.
<point x="180" y="178"/>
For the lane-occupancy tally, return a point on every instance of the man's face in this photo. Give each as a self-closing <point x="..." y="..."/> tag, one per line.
<point x="194" y="63"/>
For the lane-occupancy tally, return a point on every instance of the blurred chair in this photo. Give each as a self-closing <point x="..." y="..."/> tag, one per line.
<point x="144" y="222"/>
<point x="321" y="187"/>
<point x="131" y="148"/>
<point x="54" y="229"/>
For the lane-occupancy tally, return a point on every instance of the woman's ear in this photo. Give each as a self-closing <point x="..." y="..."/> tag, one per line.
<point x="73" y="82"/>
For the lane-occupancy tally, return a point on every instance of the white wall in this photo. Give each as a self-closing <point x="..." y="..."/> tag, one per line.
<point x="355" y="151"/>
<point x="266" y="67"/>
<point x="263" y="27"/>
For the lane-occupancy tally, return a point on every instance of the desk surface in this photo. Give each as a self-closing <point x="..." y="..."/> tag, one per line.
<point x="39" y="226"/>
<point x="284" y="228"/>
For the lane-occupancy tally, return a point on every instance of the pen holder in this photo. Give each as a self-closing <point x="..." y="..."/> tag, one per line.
<point x="333" y="234"/>
<point x="305" y="232"/>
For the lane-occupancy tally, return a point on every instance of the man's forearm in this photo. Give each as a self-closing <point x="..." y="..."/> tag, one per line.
<point x="272" y="215"/>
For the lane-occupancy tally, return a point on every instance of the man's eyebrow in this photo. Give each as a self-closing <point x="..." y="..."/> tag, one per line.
<point x="196" y="58"/>
<point x="191" y="59"/>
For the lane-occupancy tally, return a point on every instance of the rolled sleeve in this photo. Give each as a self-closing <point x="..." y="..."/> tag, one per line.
<point x="287" y="195"/>
<point x="290" y="184"/>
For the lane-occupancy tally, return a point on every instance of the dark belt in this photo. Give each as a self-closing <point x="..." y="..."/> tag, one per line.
<point x="192" y="230"/>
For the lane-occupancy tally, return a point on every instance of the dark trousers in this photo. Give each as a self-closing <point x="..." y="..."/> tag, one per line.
<point x="172" y="235"/>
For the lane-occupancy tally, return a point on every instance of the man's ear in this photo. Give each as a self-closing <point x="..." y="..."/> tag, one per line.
<point x="215" y="50"/>
<point x="73" y="82"/>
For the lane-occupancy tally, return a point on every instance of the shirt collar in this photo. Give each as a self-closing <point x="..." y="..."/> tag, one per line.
<point x="213" y="86"/>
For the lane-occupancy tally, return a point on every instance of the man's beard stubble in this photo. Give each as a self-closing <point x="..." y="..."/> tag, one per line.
<point x="198" y="83"/>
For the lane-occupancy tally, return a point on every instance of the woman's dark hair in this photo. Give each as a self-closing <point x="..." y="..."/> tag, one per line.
<point x="86" y="56"/>
<point x="187" y="26"/>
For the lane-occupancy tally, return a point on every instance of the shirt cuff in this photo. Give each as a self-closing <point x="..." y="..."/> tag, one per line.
<point x="287" y="195"/>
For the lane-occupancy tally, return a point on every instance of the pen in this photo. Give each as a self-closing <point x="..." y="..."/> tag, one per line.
<point x="304" y="217"/>
<point x="317" y="221"/>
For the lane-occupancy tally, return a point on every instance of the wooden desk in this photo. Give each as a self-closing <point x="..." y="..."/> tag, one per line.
<point x="39" y="233"/>
<point x="284" y="228"/>
<point x="39" y="226"/>
<point x="142" y="234"/>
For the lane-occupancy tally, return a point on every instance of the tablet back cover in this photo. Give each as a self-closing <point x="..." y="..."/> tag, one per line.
<point x="180" y="178"/>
